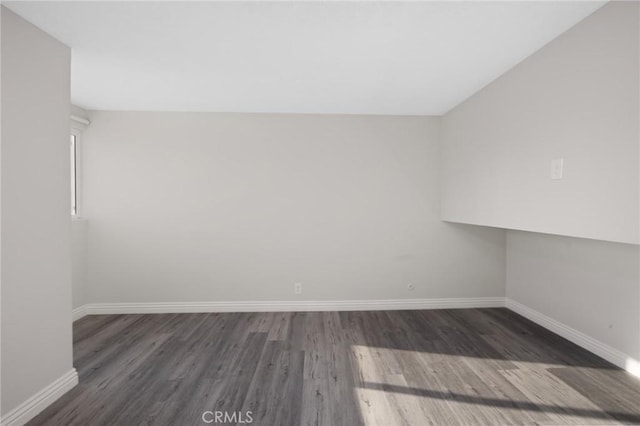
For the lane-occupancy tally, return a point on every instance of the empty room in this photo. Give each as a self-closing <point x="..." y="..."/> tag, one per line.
<point x="320" y="213"/>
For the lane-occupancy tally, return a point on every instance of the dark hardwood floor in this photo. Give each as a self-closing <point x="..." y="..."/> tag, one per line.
<point x="439" y="367"/>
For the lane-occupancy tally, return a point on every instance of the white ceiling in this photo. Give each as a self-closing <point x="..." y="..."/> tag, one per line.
<point x="399" y="58"/>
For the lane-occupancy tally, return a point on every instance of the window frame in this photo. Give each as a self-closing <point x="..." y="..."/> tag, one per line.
<point x="74" y="173"/>
<point x="77" y="127"/>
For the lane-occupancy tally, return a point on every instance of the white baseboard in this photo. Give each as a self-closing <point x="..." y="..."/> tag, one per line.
<point x="38" y="402"/>
<point x="585" y="341"/>
<point x="603" y="350"/>
<point x="79" y="312"/>
<point x="287" y="306"/>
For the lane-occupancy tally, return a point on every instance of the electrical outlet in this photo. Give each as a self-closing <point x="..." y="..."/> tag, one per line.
<point x="411" y="287"/>
<point x="297" y="288"/>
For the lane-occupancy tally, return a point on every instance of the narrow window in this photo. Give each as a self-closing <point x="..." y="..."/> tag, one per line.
<point x="74" y="179"/>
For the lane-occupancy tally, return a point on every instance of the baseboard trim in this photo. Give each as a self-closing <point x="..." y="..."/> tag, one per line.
<point x="585" y="341"/>
<point x="41" y="400"/>
<point x="288" y="306"/>
<point x="79" y="312"/>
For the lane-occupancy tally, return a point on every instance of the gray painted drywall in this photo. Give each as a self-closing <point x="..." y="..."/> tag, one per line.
<point x="79" y="273"/>
<point x="591" y="286"/>
<point x="79" y="225"/>
<point x="36" y="255"/>
<point x="577" y="98"/>
<point x="228" y="207"/>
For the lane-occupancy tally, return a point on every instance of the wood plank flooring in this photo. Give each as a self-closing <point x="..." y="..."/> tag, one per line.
<point x="439" y="367"/>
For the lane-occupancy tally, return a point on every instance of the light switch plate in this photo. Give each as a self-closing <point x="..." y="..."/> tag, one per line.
<point x="557" y="165"/>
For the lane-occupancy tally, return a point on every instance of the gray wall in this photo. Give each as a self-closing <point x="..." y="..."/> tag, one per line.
<point x="36" y="255"/>
<point x="228" y="207"/>
<point x="577" y="98"/>
<point x="591" y="286"/>
<point x="79" y="225"/>
<point x="79" y="272"/>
